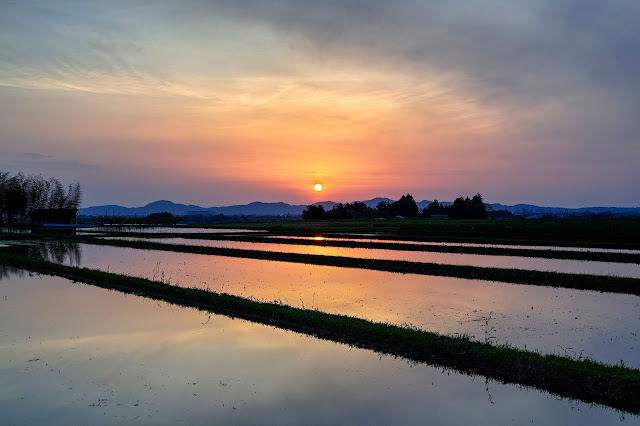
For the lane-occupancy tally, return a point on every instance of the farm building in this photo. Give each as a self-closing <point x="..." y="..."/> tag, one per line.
<point x="40" y="217"/>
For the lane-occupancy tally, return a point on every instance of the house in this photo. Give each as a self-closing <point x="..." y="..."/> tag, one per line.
<point x="40" y="217"/>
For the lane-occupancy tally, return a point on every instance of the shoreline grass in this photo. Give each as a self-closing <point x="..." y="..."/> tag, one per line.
<point x="601" y="283"/>
<point x="592" y="382"/>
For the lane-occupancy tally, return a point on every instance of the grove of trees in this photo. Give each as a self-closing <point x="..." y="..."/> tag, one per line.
<point x="20" y="195"/>
<point x="406" y="206"/>
<point x="465" y="208"/>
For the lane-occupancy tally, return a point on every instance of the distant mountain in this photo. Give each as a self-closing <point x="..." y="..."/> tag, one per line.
<point x="253" y="209"/>
<point x="283" y="209"/>
<point x="374" y="202"/>
<point x="155" y="207"/>
<point x="529" y="209"/>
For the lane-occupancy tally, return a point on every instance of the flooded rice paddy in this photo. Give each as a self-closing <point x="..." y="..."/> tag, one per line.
<point x="81" y="353"/>
<point x="530" y="263"/>
<point x="432" y="243"/>
<point x="72" y="353"/>
<point x="163" y="229"/>
<point x="575" y="323"/>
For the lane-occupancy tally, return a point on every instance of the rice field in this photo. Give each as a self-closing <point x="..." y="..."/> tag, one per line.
<point x="109" y="357"/>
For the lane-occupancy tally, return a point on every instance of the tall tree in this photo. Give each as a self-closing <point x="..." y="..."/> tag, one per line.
<point x="73" y="197"/>
<point x="58" y="197"/>
<point x="312" y="212"/>
<point x="406" y="206"/>
<point x="15" y="199"/>
<point x="458" y="209"/>
<point x="477" y="208"/>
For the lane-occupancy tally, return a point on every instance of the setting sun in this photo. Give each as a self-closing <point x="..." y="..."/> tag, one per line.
<point x="317" y="187"/>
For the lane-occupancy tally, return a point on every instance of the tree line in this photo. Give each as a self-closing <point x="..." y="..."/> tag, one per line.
<point x="462" y="208"/>
<point x="406" y="206"/>
<point x="21" y="194"/>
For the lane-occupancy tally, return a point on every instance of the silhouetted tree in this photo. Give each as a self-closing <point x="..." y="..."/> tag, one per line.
<point x="20" y="195"/>
<point x="38" y="192"/>
<point x="406" y="206"/>
<point x="14" y="199"/>
<point x="465" y="208"/>
<point x="73" y="197"/>
<point x="349" y="211"/>
<point x="358" y="209"/>
<point x="458" y="209"/>
<point x="57" y="198"/>
<point x="337" y="212"/>
<point x="383" y="209"/>
<point x="312" y="212"/>
<point x="434" y="207"/>
<point x="477" y="208"/>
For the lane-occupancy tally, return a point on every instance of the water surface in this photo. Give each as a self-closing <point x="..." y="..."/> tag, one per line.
<point x="436" y="243"/>
<point x="602" y="326"/>
<point x="631" y="270"/>
<point x="77" y="354"/>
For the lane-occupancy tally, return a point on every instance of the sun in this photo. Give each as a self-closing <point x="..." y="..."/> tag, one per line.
<point x="317" y="187"/>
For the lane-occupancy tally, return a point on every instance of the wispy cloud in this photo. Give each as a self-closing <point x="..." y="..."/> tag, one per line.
<point x="29" y="162"/>
<point x="438" y="86"/>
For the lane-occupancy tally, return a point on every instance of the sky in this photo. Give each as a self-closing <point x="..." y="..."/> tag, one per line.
<point x="232" y="101"/>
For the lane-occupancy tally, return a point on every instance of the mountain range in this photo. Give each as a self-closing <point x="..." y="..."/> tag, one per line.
<point x="283" y="209"/>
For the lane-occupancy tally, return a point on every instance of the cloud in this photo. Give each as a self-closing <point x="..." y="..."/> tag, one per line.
<point x="28" y="162"/>
<point x="532" y="89"/>
<point x="513" y="55"/>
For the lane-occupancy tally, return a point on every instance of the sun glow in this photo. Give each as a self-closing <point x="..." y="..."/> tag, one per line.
<point x="317" y="187"/>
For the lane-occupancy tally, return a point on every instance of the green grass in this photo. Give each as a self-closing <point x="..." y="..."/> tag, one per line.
<point x="516" y="276"/>
<point x="592" y="382"/>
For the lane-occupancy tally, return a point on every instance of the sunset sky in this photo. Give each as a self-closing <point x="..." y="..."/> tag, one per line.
<point x="233" y="101"/>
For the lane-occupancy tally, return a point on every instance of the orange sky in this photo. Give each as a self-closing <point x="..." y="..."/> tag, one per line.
<point x="218" y="104"/>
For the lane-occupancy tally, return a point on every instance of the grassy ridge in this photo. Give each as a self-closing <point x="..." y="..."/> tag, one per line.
<point x="615" y="386"/>
<point x="515" y="276"/>
<point x="490" y="251"/>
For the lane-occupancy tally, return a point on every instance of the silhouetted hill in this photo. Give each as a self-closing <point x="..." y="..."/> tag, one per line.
<point x="252" y="209"/>
<point x="283" y="209"/>
<point x="155" y="207"/>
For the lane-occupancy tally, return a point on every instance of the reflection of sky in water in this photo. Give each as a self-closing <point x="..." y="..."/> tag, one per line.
<point x="72" y="353"/>
<point x="599" y="325"/>
<point x="431" y="243"/>
<point x="533" y="263"/>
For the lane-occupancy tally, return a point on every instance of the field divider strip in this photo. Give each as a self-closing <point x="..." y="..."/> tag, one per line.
<point x="601" y="283"/>
<point x="587" y="380"/>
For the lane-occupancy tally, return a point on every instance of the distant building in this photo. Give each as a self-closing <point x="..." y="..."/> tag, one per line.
<point x="40" y="217"/>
